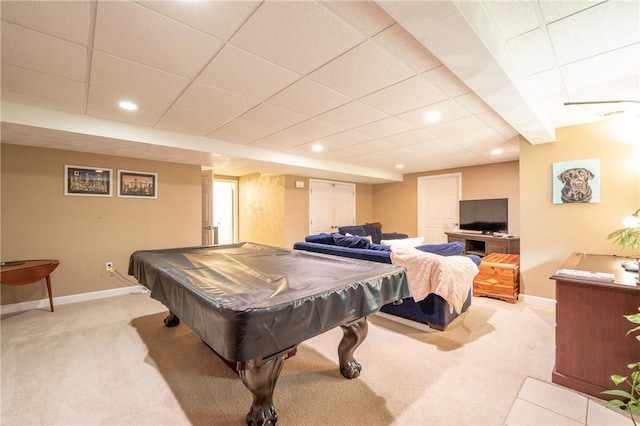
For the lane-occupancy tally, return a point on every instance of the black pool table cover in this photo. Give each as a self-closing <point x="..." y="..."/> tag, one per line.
<point x="249" y="301"/>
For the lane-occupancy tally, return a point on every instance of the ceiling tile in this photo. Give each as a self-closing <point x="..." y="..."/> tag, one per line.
<point x="136" y="33"/>
<point x="410" y="137"/>
<point x="513" y="17"/>
<point x="285" y="33"/>
<point x="217" y="18"/>
<point x="448" y="109"/>
<point x="478" y="140"/>
<point x="546" y="83"/>
<point x="271" y="117"/>
<point x="491" y="118"/>
<point x="42" y="90"/>
<point x="298" y="134"/>
<point x="29" y="49"/>
<point x="532" y="51"/>
<point x="409" y="50"/>
<point x="472" y="103"/>
<point x="308" y="97"/>
<point x="385" y="127"/>
<point x="552" y="10"/>
<point x="346" y="138"/>
<point x="598" y="69"/>
<point x="363" y="70"/>
<point x="366" y="16"/>
<point x="241" y="131"/>
<point x="103" y="103"/>
<point x="351" y="115"/>
<point x="68" y="20"/>
<point x="190" y="121"/>
<point x="573" y="38"/>
<point x="407" y="95"/>
<point x="202" y="97"/>
<point x="130" y="77"/>
<point x="456" y="127"/>
<point x="241" y="72"/>
<point x="445" y="80"/>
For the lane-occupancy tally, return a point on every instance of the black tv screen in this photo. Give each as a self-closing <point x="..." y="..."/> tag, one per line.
<point x="486" y="216"/>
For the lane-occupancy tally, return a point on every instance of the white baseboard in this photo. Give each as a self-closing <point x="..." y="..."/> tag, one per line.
<point x="537" y="301"/>
<point x="75" y="298"/>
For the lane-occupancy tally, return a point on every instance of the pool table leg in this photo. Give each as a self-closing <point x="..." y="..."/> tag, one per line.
<point x="354" y="335"/>
<point x="171" y="320"/>
<point x="260" y="377"/>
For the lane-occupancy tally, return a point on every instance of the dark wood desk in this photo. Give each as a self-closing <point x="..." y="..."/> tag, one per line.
<point x="22" y="272"/>
<point x="591" y="341"/>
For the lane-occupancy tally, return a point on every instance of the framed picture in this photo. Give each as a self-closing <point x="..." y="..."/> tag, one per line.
<point x="576" y="181"/>
<point x="92" y="181"/>
<point x="137" y="184"/>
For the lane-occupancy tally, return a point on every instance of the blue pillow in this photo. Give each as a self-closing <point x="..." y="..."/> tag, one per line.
<point x="445" y="249"/>
<point x="352" y="241"/>
<point x="353" y="230"/>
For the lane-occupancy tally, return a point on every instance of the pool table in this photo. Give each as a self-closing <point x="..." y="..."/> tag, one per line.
<point x="253" y="304"/>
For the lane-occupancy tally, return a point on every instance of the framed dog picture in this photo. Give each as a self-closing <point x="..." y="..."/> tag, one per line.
<point x="576" y="181"/>
<point x="137" y="184"/>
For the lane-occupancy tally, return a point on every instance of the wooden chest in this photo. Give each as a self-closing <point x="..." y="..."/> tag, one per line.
<point x="498" y="277"/>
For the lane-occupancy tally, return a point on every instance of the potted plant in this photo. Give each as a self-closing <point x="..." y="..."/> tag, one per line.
<point x="629" y="399"/>
<point x="628" y="236"/>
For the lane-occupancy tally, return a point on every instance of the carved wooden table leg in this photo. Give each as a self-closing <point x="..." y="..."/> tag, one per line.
<point x="354" y="335"/>
<point x="260" y="377"/>
<point x="171" y="320"/>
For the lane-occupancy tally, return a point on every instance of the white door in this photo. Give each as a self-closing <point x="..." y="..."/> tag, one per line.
<point x="207" y="208"/>
<point x="224" y="210"/>
<point x="438" y="198"/>
<point x="331" y="204"/>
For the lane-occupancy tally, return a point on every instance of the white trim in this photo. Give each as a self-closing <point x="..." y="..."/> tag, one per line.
<point x="74" y="298"/>
<point x="537" y="301"/>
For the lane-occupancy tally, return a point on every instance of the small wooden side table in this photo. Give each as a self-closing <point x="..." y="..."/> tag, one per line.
<point x="498" y="277"/>
<point x="22" y="272"/>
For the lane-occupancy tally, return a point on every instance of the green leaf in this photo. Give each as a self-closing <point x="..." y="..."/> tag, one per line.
<point x="617" y="378"/>
<point x="615" y="403"/>
<point x="617" y="392"/>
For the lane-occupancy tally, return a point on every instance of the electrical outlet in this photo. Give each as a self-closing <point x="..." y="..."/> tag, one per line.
<point x="108" y="266"/>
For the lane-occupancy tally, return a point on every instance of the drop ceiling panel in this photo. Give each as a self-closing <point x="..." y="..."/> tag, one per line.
<point x="573" y="38"/>
<point x="366" y="16"/>
<point x="42" y="90"/>
<point x="407" y="95"/>
<point x="189" y="121"/>
<point x="36" y="51"/>
<point x="449" y="110"/>
<point x="68" y="20"/>
<point x="346" y="138"/>
<point x="362" y="70"/>
<point x="398" y="41"/>
<point x="241" y="131"/>
<point x="202" y="97"/>
<point x="472" y="103"/>
<point x="456" y="127"/>
<point x="351" y="115"/>
<point x="308" y="98"/>
<point x="533" y="51"/>
<point x="385" y="127"/>
<point x="130" y="77"/>
<point x="285" y="33"/>
<point x="136" y="33"/>
<point x="103" y="103"/>
<point x="409" y="138"/>
<point x="217" y="18"/>
<point x="513" y="17"/>
<point x="272" y="117"/>
<point x="243" y="73"/>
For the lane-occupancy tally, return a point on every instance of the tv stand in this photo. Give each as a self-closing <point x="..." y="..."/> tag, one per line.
<point x="482" y="244"/>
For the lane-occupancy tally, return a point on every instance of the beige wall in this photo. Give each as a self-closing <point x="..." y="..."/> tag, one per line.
<point x="396" y="204"/>
<point x="261" y="209"/>
<point x="551" y="232"/>
<point x="40" y="222"/>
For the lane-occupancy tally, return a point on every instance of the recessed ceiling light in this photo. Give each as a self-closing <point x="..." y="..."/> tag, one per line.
<point x="316" y="147"/>
<point x="129" y="106"/>
<point x="399" y="166"/>
<point x="496" y="151"/>
<point x="432" y="115"/>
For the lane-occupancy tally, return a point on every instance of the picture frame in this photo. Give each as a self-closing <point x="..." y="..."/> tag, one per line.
<point x="134" y="184"/>
<point x="87" y="181"/>
<point x="576" y="181"/>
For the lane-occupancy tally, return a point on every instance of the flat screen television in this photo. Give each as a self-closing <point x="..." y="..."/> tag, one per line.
<point x="486" y="216"/>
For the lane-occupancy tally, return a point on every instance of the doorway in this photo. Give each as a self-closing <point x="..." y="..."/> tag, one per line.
<point x="225" y="208"/>
<point x="438" y="198"/>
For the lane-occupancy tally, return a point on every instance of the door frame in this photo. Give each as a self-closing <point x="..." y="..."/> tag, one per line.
<point x="420" y="189"/>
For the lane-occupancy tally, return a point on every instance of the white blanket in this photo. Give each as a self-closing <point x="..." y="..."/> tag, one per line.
<point x="450" y="277"/>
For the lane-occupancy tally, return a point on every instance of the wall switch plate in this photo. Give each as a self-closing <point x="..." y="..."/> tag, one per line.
<point x="108" y="266"/>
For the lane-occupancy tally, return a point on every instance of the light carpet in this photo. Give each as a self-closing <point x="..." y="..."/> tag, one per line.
<point x="112" y="362"/>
